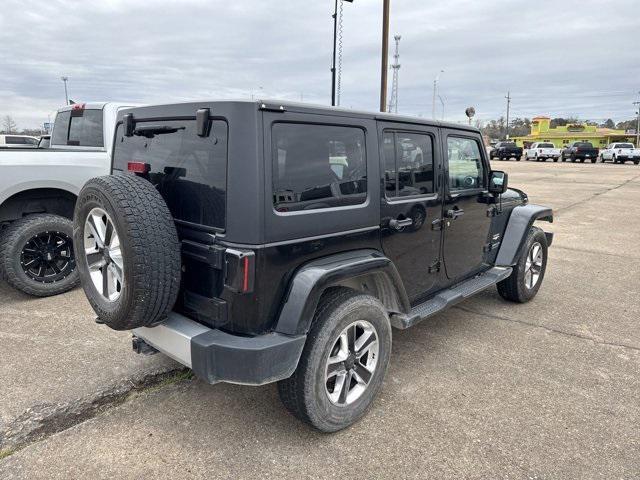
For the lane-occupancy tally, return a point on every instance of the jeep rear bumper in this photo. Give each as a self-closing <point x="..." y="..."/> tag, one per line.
<point x="217" y="356"/>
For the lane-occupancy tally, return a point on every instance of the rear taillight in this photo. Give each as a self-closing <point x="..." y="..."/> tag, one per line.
<point x="239" y="270"/>
<point x="138" y="167"/>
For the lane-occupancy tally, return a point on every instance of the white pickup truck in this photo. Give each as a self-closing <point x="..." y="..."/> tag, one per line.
<point x="541" y="151"/>
<point x="620" y="153"/>
<point x="38" y="190"/>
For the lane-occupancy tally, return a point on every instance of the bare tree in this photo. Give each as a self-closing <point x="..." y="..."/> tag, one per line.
<point x="8" y="124"/>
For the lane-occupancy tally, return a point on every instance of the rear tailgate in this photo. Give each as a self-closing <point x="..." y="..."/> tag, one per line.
<point x="190" y="172"/>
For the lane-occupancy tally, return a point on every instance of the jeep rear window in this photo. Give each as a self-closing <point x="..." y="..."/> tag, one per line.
<point x="318" y="166"/>
<point x="189" y="171"/>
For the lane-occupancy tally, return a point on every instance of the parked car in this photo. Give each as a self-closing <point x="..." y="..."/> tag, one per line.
<point x="505" y="151"/>
<point x="230" y="238"/>
<point x="620" y="153"/>
<point x="541" y="151"/>
<point x="18" y="141"/>
<point x="38" y="190"/>
<point x="580" y="151"/>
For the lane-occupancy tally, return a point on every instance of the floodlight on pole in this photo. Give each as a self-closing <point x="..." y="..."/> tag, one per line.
<point x="66" y="94"/>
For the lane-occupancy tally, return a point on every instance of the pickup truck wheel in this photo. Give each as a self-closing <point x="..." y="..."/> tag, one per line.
<point x="343" y="362"/>
<point x="127" y="251"/>
<point x="36" y="255"/>
<point x="525" y="280"/>
<point x="593" y="160"/>
<point x="636" y="162"/>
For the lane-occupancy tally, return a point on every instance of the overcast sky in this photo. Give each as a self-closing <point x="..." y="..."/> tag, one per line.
<point x="557" y="57"/>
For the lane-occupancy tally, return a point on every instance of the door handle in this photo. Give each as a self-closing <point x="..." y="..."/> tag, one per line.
<point x="454" y="213"/>
<point x="400" y="224"/>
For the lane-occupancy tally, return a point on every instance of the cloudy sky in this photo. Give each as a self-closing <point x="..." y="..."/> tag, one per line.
<point x="557" y="57"/>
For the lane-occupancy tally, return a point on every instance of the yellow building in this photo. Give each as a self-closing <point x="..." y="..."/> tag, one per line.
<point x="541" y="131"/>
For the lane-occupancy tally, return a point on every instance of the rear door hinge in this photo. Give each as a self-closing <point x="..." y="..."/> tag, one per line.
<point x="212" y="255"/>
<point x="434" y="267"/>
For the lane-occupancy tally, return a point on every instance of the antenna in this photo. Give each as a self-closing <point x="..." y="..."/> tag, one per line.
<point x="393" y="101"/>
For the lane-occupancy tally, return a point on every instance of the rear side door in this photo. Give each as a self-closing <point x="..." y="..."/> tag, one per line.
<point x="411" y="201"/>
<point x="466" y="222"/>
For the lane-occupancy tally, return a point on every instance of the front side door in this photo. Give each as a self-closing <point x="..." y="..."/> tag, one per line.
<point x="466" y="222"/>
<point x="410" y="202"/>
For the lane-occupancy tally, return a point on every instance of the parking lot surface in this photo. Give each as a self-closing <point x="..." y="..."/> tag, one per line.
<point x="488" y="389"/>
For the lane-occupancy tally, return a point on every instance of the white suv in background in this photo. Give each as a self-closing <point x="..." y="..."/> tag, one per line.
<point x="621" y="152"/>
<point x="541" y="151"/>
<point x="18" y="141"/>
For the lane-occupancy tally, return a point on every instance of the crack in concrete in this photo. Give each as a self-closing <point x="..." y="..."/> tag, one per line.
<point x="597" y="194"/>
<point x="594" y="252"/>
<point x="43" y="420"/>
<point x="548" y="329"/>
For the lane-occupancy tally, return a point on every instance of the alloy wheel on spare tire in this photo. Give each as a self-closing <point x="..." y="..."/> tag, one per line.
<point x="127" y="250"/>
<point x="36" y="255"/>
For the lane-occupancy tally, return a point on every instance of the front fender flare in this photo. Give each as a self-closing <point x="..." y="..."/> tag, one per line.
<point x="313" y="278"/>
<point x="520" y="221"/>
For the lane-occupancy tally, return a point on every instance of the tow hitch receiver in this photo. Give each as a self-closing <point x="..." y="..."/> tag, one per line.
<point x="140" y="346"/>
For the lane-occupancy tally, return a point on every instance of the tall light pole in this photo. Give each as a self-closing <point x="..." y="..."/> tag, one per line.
<point x="66" y="94"/>
<point x="385" y="54"/>
<point x="508" y="97"/>
<point x="335" y="42"/>
<point x="435" y="89"/>
<point x="637" y="104"/>
<point x="442" y="102"/>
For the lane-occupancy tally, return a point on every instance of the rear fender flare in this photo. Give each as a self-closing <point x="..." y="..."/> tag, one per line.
<point x="520" y="221"/>
<point x="366" y="270"/>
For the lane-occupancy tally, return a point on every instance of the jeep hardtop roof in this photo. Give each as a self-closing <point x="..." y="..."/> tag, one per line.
<point x="188" y="108"/>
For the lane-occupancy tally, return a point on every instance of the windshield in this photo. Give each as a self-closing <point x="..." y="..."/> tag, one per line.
<point x="507" y="144"/>
<point x="624" y="145"/>
<point x="584" y="145"/>
<point x="545" y="145"/>
<point x="189" y="171"/>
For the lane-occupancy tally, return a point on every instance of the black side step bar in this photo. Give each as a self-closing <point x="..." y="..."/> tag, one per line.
<point x="449" y="297"/>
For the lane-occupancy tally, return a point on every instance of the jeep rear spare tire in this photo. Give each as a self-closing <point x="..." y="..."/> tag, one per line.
<point x="127" y="251"/>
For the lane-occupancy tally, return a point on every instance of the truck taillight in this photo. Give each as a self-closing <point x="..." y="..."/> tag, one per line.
<point x="138" y="167"/>
<point x="239" y="268"/>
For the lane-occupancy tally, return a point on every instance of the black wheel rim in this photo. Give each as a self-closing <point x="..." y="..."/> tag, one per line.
<point x="48" y="257"/>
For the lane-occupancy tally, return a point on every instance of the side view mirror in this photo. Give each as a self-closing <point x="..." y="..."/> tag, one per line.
<point x="498" y="182"/>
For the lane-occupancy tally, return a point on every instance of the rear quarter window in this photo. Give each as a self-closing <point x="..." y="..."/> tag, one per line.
<point x="318" y="166"/>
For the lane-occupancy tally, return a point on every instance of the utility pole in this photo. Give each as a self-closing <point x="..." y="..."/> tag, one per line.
<point x="385" y="54"/>
<point x="66" y="94"/>
<point x="435" y="92"/>
<point x="393" y="103"/>
<point x="637" y="104"/>
<point x="335" y="42"/>
<point x="508" y="97"/>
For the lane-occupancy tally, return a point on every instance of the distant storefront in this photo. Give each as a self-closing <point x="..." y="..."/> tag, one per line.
<point x="541" y="131"/>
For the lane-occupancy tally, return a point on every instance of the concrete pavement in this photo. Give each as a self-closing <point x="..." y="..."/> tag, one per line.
<point x="488" y="389"/>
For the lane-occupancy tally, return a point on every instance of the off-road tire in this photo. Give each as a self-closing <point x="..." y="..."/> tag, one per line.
<point x="303" y="394"/>
<point x="12" y="241"/>
<point x="513" y="288"/>
<point x="149" y="246"/>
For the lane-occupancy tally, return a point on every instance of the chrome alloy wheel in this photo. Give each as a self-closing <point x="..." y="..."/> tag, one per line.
<point x="351" y="363"/>
<point x="533" y="265"/>
<point x="103" y="254"/>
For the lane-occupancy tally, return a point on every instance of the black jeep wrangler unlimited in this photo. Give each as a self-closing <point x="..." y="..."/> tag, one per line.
<point x="259" y="242"/>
